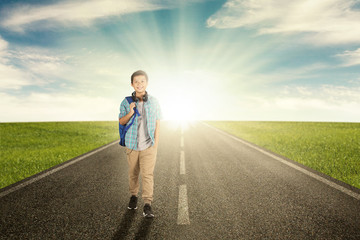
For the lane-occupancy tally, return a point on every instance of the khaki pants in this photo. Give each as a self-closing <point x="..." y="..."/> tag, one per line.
<point x="142" y="162"/>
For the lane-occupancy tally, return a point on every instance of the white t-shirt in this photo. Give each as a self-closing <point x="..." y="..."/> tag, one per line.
<point x="144" y="140"/>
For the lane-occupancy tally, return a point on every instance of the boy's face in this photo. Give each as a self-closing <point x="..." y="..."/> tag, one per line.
<point x="139" y="84"/>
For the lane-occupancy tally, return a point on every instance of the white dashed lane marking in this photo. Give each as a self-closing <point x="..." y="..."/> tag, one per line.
<point x="182" y="163"/>
<point x="183" y="209"/>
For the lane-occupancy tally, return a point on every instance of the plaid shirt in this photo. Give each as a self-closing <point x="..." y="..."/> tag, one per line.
<point x="153" y="113"/>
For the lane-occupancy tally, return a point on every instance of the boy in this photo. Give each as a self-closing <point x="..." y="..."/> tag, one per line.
<point x="141" y="140"/>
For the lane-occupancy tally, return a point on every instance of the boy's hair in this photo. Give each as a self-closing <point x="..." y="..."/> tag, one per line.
<point x="138" y="73"/>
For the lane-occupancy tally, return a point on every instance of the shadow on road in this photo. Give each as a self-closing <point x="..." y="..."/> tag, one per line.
<point x="125" y="225"/>
<point x="144" y="228"/>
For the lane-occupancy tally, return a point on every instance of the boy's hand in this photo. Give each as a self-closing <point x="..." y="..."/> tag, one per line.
<point x="132" y="106"/>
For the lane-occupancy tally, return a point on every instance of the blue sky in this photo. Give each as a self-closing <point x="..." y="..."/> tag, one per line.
<point x="206" y="60"/>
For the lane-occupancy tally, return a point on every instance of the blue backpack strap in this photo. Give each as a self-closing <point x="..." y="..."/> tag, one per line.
<point x="130" y="100"/>
<point x="124" y="129"/>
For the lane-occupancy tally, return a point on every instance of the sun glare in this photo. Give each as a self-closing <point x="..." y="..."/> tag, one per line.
<point x="186" y="95"/>
<point x="179" y="108"/>
<point x="179" y="98"/>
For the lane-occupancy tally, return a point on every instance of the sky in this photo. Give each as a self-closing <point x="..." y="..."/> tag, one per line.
<point x="238" y="60"/>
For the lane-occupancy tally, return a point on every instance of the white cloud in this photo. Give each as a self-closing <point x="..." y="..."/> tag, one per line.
<point x="326" y="103"/>
<point x="69" y="13"/>
<point x="56" y="107"/>
<point x="334" y="95"/>
<point x="28" y="66"/>
<point x="350" y="58"/>
<point x="322" y="22"/>
<point x="40" y="61"/>
<point x="3" y="45"/>
<point x="52" y="69"/>
<point x="280" y="75"/>
<point x="10" y="76"/>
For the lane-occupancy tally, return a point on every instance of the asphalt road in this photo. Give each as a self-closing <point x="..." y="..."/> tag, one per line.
<point x="233" y="192"/>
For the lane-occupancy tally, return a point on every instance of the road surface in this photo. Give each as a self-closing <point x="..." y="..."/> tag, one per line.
<point x="207" y="186"/>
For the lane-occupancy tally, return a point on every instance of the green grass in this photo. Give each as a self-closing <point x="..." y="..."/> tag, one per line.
<point x="29" y="148"/>
<point x="330" y="148"/>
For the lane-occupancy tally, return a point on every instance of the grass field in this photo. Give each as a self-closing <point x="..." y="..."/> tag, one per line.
<point x="331" y="148"/>
<point x="29" y="148"/>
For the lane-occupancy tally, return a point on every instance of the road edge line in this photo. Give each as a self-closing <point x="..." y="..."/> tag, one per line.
<point x="303" y="170"/>
<point x="47" y="172"/>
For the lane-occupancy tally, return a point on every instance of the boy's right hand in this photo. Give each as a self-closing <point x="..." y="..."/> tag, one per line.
<point x="132" y="106"/>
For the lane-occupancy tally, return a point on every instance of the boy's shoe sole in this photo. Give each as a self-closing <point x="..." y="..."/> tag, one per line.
<point x="133" y="203"/>
<point x="147" y="211"/>
<point x="148" y="215"/>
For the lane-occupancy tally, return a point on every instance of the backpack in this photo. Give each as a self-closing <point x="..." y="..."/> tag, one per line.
<point x="124" y="128"/>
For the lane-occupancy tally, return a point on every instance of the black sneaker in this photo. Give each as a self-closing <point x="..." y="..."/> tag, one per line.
<point x="147" y="211"/>
<point x="133" y="202"/>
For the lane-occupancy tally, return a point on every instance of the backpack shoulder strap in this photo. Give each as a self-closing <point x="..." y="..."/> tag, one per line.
<point x="125" y="128"/>
<point x="129" y="99"/>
